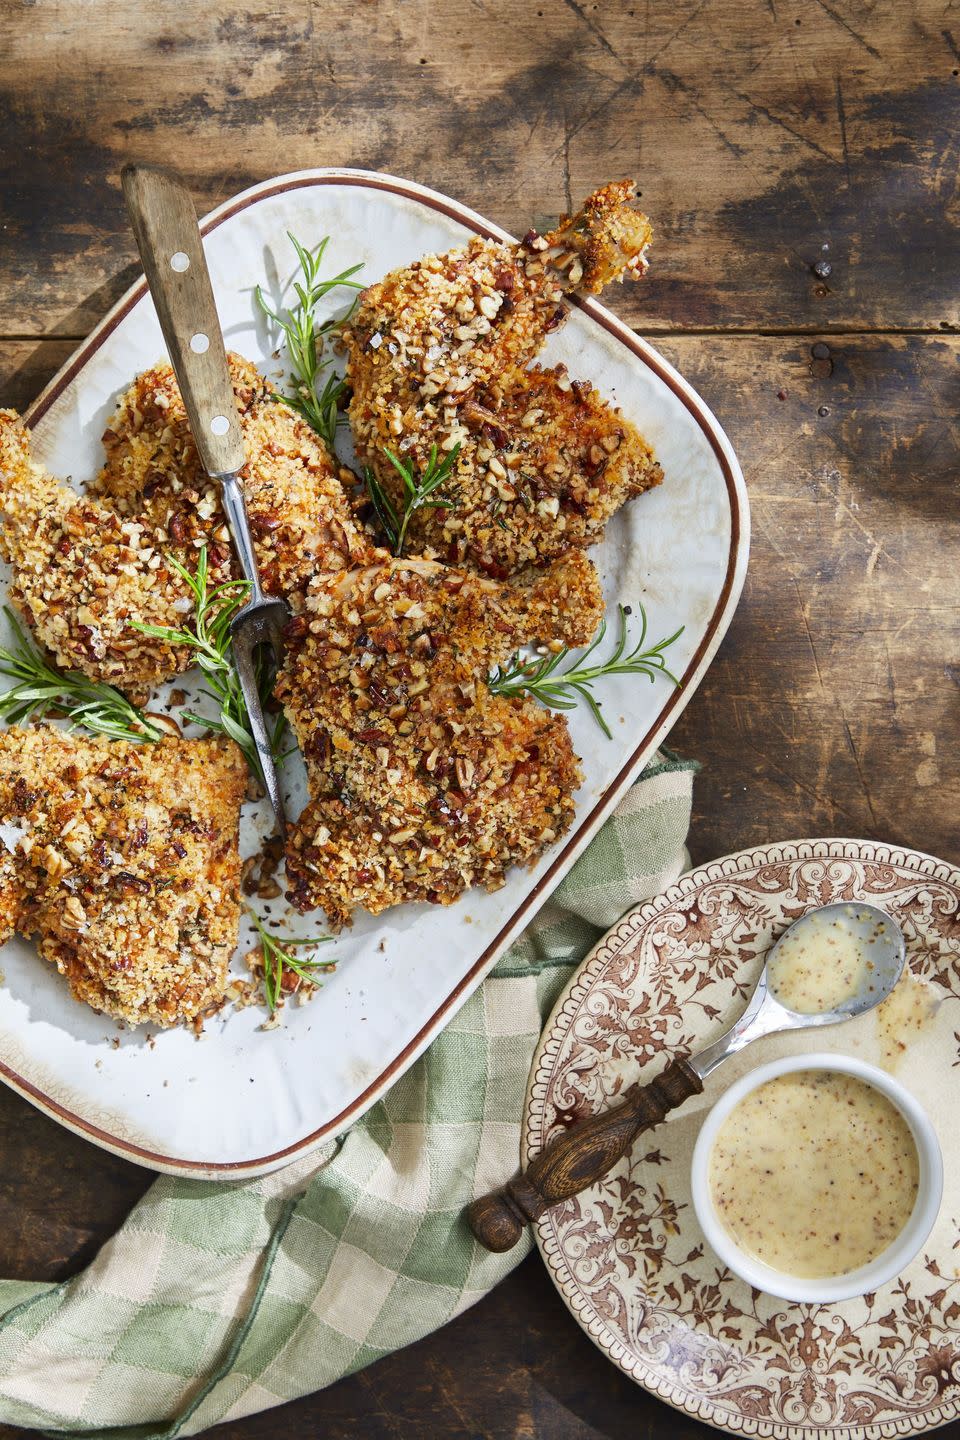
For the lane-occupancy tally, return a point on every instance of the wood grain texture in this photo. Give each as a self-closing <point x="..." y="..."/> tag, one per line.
<point x="27" y="365"/>
<point x="832" y="708"/>
<point x="760" y="135"/>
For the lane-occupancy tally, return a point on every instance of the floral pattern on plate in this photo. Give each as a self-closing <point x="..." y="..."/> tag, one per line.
<point x="628" y="1256"/>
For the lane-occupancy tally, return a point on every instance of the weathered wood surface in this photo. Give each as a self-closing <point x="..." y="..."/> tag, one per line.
<point x="760" y="134"/>
<point x="832" y="708"/>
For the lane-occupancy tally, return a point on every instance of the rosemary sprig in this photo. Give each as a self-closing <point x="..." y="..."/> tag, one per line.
<point x="209" y="639"/>
<point x="420" y="492"/>
<point x="278" y="956"/>
<point x="41" y="689"/>
<point x="316" y="395"/>
<point x="564" y="689"/>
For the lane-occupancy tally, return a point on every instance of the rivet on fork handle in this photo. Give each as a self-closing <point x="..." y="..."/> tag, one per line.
<point x="578" y="1157"/>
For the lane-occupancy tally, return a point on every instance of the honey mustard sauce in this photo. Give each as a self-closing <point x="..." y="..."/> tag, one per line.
<point x="824" y="963"/>
<point x="814" y="1173"/>
<point x="904" y="1016"/>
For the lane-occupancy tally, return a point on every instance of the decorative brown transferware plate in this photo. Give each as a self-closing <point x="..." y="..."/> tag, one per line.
<point x="628" y="1256"/>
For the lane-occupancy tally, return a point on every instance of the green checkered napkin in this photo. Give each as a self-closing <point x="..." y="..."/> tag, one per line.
<point x="216" y="1301"/>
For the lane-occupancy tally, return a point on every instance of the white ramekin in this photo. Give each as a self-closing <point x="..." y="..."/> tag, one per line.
<point x="891" y="1261"/>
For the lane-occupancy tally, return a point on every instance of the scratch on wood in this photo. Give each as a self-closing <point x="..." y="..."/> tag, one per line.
<point x="832" y="805"/>
<point x="842" y="117"/>
<point x="593" y="27"/>
<point x="630" y="81"/>
<point x="839" y="20"/>
<point x="574" y="130"/>
<point x="674" y="83"/>
<point x="649" y="62"/>
<point x="905" y="624"/>
<point x="770" y="456"/>
<point x="378" y="1410"/>
<point x="776" y="120"/>
<point x="954" y="50"/>
<point x="856" y="760"/>
<point x="447" y="1387"/>
<point x="822" y="482"/>
<point x="763" y="528"/>
<point x="801" y="78"/>
<point x="948" y="416"/>
<point x="807" y="632"/>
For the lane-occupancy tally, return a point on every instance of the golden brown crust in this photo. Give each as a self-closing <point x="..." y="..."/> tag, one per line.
<point x="422" y="782"/>
<point x="81" y="574"/>
<point x="296" y="503"/>
<point x="86" y="566"/>
<point x="123" y="859"/>
<point x="609" y="237"/>
<point x="544" y="462"/>
<point x="437" y="354"/>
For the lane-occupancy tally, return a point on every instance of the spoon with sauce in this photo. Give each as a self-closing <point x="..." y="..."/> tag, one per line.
<point x="832" y="964"/>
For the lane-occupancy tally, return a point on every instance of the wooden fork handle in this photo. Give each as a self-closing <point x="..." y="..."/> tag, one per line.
<point x="165" y="227"/>
<point x="578" y="1157"/>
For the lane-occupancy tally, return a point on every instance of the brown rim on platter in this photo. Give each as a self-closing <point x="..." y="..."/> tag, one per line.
<point x="628" y="1256"/>
<point x="599" y="807"/>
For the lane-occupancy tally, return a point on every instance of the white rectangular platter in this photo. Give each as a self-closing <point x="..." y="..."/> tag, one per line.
<point x="241" y="1100"/>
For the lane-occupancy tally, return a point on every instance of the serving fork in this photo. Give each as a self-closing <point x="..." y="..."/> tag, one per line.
<point x="171" y="248"/>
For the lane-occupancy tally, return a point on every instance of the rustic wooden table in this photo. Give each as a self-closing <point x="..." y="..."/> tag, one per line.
<point x="799" y="161"/>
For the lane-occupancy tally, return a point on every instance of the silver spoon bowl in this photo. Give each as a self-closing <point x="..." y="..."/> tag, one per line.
<point x="879" y="936"/>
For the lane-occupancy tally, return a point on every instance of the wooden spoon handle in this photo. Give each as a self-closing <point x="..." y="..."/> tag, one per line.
<point x="578" y="1157"/>
<point x="165" y="227"/>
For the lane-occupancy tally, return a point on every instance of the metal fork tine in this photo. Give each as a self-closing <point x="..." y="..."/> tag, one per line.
<point x="245" y="642"/>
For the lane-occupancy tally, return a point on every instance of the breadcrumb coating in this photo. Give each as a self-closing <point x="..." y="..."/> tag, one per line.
<point x="124" y="861"/>
<point x="85" y="566"/>
<point x="294" y="490"/>
<point x="82" y="573"/>
<point x="422" y="782"/>
<point x="438" y="354"/>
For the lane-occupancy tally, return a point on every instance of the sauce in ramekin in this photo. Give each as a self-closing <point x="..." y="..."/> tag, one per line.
<point x="814" y="1173"/>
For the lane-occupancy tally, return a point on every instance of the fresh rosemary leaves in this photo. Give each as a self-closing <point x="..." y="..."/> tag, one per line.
<point x="209" y="639"/>
<point x="564" y="689"/>
<point x="278" y="956"/>
<point x="420" y="492"/>
<point x="317" y="388"/>
<point x="41" y="689"/>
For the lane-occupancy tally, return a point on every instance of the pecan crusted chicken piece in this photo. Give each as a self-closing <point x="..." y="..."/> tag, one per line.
<point x="422" y="782"/>
<point x="81" y="573"/>
<point x="85" y="566"/>
<point x="440" y="352"/>
<point x="123" y="860"/>
<point x="299" y="514"/>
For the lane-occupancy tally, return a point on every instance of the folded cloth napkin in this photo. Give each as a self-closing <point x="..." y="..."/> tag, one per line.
<point x="216" y="1301"/>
